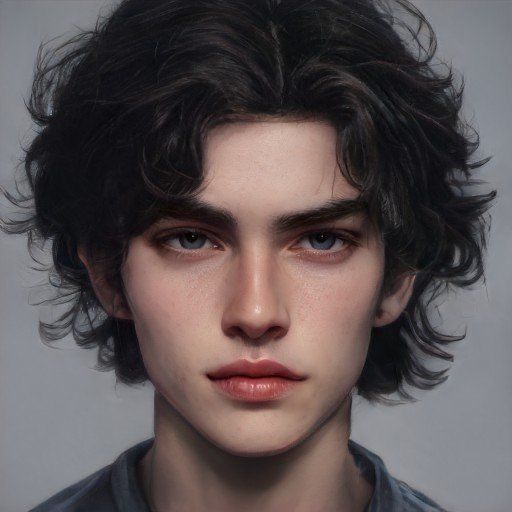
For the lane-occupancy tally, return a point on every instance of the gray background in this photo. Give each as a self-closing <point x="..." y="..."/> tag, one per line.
<point x="62" y="420"/>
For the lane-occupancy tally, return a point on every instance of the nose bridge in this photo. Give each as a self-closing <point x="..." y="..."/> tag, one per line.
<point x="256" y="276"/>
<point x="256" y="303"/>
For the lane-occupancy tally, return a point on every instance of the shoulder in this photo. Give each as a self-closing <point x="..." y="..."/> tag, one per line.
<point x="110" y="489"/>
<point x="416" y="501"/>
<point x="90" y="493"/>
<point x="390" y="493"/>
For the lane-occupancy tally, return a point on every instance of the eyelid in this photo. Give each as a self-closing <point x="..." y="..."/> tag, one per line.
<point x="342" y="233"/>
<point x="174" y="232"/>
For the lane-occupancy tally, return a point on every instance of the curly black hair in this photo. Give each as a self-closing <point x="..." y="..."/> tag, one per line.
<point x="123" y="111"/>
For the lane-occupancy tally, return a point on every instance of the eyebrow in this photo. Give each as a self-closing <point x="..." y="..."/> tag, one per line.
<point x="193" y="208"/>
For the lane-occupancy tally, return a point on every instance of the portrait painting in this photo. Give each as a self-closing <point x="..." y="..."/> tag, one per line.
<point x="254" y="255"/>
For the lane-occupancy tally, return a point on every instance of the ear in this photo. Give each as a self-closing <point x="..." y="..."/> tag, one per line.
<point x="395" y="301"/>
<point x="110" y="299"/>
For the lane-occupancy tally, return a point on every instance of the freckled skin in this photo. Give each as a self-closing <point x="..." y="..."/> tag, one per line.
<point x="256" y="296"/>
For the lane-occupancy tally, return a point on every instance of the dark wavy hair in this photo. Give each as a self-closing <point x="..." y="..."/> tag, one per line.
<point x="123" y="111"/>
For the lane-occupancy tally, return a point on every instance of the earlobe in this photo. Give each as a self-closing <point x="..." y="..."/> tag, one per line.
<point x="110" y="299"/>
<point x="394" y="303"/>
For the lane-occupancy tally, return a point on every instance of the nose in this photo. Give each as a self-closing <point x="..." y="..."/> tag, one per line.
<point x="255" y="310"/>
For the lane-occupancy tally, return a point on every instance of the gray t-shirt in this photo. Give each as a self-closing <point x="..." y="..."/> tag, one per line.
<point x="116" y="488"/>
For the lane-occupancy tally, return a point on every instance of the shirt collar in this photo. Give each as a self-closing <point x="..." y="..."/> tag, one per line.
<point x="386" y="495"/>
<point x="129" y="496"/>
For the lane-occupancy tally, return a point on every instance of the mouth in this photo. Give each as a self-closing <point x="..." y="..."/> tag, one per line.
<point x="263" y="368"/>
<point x="261" y="381"/>
<point x="255" y="389"/>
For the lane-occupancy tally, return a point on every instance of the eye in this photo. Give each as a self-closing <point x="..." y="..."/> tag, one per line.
<point x="186" y="239"/>
<point x="325" y="240"/>
<point x="186" y="242"/>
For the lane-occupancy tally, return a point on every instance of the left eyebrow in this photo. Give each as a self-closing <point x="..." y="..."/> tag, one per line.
<point x="334" y="209"/>
<point x="193" y="208"/>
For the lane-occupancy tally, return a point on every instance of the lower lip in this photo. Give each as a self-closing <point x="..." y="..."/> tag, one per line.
<point x="260" y="389"/>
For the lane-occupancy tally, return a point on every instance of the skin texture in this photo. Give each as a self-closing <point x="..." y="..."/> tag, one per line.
<point x="199" y="304"/>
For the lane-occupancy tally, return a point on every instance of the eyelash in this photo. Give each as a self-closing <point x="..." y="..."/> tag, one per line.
<point x="351" y="240"/>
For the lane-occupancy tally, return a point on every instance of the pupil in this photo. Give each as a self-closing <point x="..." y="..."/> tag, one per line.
<point x="323" y="238"/>
<point x="190" y="239"/>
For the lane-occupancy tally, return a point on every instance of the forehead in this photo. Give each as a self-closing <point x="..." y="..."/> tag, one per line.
<point x="271" y="177"/>
<point x="265" y="168"/>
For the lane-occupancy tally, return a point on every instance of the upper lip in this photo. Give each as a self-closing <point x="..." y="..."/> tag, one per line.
<point x="264" y="368"/>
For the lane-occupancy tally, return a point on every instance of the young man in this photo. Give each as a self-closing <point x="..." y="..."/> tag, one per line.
<point x="254" y="203"/>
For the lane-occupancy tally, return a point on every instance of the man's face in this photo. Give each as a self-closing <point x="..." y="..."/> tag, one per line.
<point x="301" y="296"/>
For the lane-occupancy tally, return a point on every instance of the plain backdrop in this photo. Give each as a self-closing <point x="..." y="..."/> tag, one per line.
<point x="61" y="419"/>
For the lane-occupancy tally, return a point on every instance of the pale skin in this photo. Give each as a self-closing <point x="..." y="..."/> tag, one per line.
<point x="309" y="303"/>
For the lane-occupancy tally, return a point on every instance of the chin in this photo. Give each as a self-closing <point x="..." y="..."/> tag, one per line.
<point x="265" y="444"/>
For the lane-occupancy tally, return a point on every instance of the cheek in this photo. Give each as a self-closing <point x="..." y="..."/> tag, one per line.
<point x="161" y="300"/>
<point x="337" y="314"/>
<point x="344" y="299"/>
<point x="164" y="317"/>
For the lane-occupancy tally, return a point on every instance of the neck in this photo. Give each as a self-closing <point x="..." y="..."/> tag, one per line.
<point x="185" y="471"/>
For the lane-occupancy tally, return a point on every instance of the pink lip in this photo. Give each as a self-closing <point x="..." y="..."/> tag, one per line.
<point x="264" y="368"/>
<point x="255" y="389"/>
